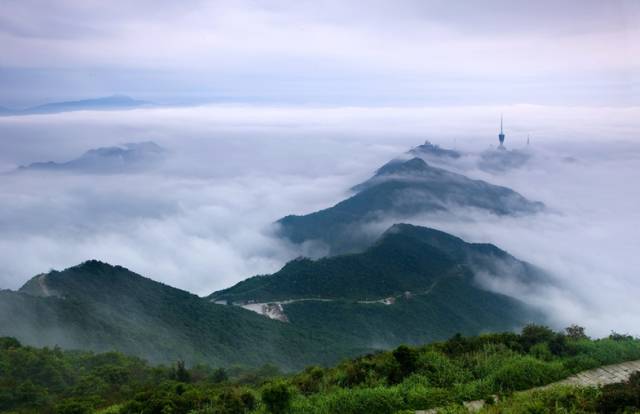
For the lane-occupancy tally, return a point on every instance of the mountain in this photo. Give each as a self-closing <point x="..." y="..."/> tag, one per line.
<point x="413" y="285"/>
<point x="104" y="103"/>
<point x="129" y="157"/>
<point x="431" y="150"/>
<point x="99" y="307"/>
<point x="401" y="189"/>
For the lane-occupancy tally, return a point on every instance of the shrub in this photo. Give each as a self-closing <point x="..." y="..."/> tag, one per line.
<point x="541" y="351"/>
<point x="309" y="381"/>
<point x="526" y="372"/>
<point x="180" y="372"/>
<point x="379" y="400"/>
<point x="73" y="406"/>
<point x="559" y="399"/>
<point x="621" y="397"/>
<point x="422" y="398"/>
<point x="229" y="402"/>
<point x="9" y="342"/>
<point x="440" y="370"/>
<point x="407" y="360"/>
<point x="276" y="396"/>
<point x="534" y="334"/>
<point x="575" y="332"/>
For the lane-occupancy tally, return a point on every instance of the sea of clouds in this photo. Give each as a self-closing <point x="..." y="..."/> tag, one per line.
<point x="202" y="219"/>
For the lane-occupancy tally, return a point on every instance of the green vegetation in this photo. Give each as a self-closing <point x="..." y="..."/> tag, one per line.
<point x="425" y="276"/>
<point x="424" y="272"/>
<point x="408" y="378"/>
<point x="400" y="189"/>
<point x="99" y="307"/>
<point x="613" y="398"/>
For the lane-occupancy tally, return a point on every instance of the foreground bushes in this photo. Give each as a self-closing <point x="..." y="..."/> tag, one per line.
<point x="407" y="378"/>
<point x="611" y="399"/>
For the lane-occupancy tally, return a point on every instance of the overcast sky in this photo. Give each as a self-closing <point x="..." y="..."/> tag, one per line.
<point x="370" y="52"/>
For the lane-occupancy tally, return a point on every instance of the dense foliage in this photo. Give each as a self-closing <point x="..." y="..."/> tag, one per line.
<point x="408" y="378"/>
<point x="622" y="397"/>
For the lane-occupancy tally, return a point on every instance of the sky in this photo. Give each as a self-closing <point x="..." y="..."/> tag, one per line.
<point x="433" y="52"/>
<point x="272" y="108"/>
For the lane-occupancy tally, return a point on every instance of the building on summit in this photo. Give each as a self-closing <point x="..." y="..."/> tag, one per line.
<point x="501" y="135"/>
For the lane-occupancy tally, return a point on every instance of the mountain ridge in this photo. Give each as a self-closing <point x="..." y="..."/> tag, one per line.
<point x="383" y="293"/>
<point x="111" y="102"/>
<point x="128" y="157"/>
<point x="100" y="307"/>
<point x="400" y="189"/>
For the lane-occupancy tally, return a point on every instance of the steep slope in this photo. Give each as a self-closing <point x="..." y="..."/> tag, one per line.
<point x="415" y="284"/>
<point x="100" y="307"/>
<point x="400" y="190"/>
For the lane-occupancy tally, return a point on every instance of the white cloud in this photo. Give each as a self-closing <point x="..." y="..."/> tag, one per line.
<point x="201" y="222"/>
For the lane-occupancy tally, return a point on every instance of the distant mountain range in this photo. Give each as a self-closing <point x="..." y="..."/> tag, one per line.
<point x="414" y="285"/>
<point x="129" y="157"/>
<point x="409" y="285"/>
<point x="401" y="189"/>
<point x="104" y="103"/>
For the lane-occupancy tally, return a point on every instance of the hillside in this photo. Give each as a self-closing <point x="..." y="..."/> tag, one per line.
<point x="400" y="190"/>
<point x="435" y="375"/>
<point x="405" y="258"/>
<point x="414" y="285"/>
<point x="96" y="306"/>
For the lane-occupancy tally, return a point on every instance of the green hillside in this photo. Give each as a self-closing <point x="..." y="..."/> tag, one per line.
<point x="414" y="285"/>
<point x="406" y="258"/>
<point x="400" y="190"/>
<point x="96" y="306"/>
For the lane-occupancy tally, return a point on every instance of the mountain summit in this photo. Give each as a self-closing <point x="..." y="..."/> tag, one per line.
<point x="100" y="307"/>
<point x="413" y="285"/>
<point x="399" y="190"/>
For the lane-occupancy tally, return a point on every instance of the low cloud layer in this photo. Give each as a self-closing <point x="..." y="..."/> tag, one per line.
<point x="201" y="221"/>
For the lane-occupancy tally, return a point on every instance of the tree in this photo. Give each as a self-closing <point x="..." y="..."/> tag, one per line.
<point x="534" y="334"/>
<point x="575" y="332"/>
<point x="9" y="342"/>
<point x="277" y="397"/>
<point x="406" y="358"/>
<point x="180" y="373"/>
<point x="219" y="375"/>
